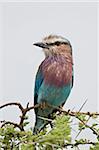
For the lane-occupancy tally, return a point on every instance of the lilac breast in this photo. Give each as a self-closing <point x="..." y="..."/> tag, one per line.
<point x="57" y="70"/>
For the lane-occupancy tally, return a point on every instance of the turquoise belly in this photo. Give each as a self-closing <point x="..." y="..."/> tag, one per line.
<point x="54" y="95"/>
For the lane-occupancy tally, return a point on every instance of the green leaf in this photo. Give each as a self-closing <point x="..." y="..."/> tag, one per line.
<point x="95" y="147"/>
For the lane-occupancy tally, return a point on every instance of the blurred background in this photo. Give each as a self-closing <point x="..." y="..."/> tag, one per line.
<point x="21" y="25"/>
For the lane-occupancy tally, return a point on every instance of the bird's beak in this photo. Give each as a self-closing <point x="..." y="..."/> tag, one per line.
<point x="41" y="44"/>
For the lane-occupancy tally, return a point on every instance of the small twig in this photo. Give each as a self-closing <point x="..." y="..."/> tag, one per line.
<point x="9" y="104"/>
<point x="94" y="131"/>
<point x="81" y="129"/>
<point x="86" y="121"/>
<point x="80" y="143"/>
<point x="82" y="105"/>
<point x="43" y="118"/>
<point x="74" y="113"/>
<point x="9" y="122"/>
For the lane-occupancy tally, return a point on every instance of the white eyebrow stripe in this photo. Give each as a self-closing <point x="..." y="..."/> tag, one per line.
<point x="62" y="40"/>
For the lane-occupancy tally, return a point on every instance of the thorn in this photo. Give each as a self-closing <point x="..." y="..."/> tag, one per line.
<point x="83" y="105"/>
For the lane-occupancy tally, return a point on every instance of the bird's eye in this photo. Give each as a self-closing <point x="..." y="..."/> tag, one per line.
<point x="57" y="43"/>
<point x="52" y="44"/>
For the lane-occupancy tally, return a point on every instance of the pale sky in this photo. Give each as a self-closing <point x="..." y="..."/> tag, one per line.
<point x="22" y="24"/>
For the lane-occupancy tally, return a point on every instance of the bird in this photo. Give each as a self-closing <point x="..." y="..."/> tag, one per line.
<point x="54" y="78"/>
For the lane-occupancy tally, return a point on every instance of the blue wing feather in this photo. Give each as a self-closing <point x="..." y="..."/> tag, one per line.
<point x="38" y="82"/>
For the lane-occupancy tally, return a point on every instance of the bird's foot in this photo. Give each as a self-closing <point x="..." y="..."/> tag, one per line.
<point x="61" y="107"/>
<point x="43" y="105"/>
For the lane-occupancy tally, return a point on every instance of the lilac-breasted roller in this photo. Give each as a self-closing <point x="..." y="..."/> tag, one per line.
<point x="54" y="79"/>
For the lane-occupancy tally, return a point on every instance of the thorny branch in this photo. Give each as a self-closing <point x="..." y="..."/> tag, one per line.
<point x="23" y="110"/>
<point x="22" y="117"/>
<point x="75" y="114"/>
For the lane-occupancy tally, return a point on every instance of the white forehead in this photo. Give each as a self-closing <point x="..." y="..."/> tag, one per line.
<point x="54" y="38"/>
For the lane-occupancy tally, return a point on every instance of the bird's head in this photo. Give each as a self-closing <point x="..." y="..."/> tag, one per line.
<point x="54" y="45"/>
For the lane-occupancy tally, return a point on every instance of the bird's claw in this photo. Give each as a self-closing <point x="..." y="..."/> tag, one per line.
<point x="43" y="105"/>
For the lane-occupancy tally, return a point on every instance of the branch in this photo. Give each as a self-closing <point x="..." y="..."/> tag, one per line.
<point x="94" y="131"/>
<point x="23" y="113"/>
<point x="80" y="143"/>
<point x="9" y="104"/>
<point x="76" y="114"/>
<point x="72" y="113"/>
<point x="9" y="122"/>
<point x="25" y="110"/>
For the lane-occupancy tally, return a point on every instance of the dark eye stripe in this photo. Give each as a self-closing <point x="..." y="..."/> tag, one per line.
<point x="56" y="43"/>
